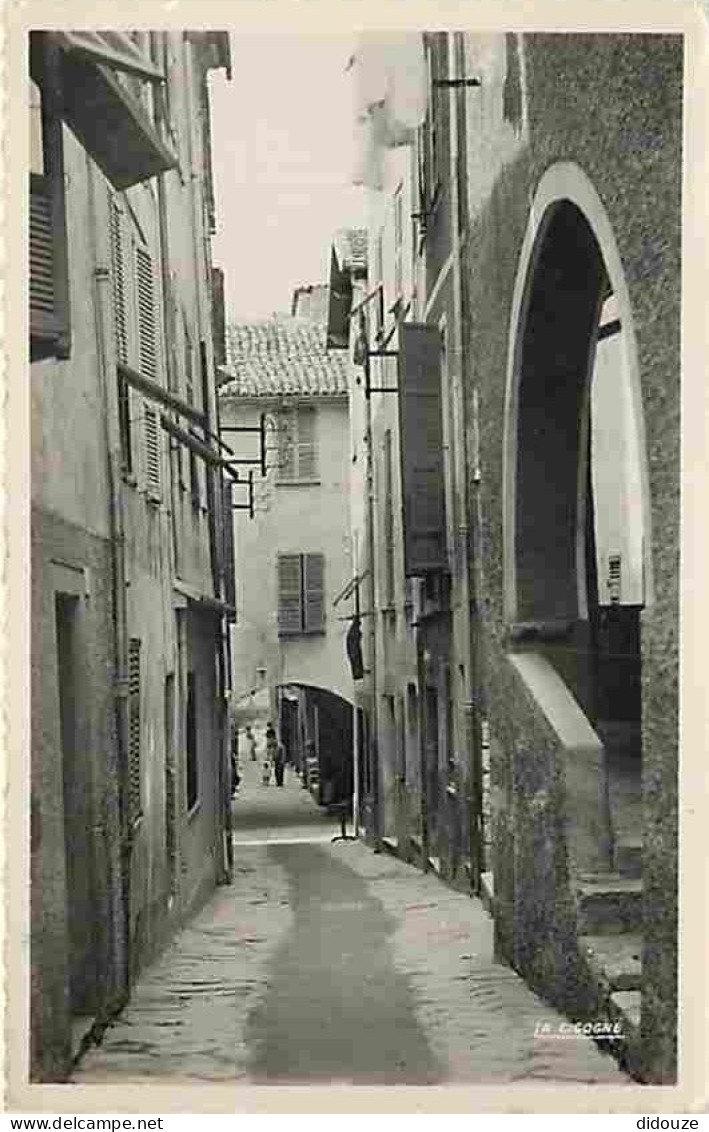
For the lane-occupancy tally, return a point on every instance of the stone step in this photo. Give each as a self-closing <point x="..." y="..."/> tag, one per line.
<point x="628" y="855"/>
<point x="609" y="904"/>
<point x="615" y="959"/>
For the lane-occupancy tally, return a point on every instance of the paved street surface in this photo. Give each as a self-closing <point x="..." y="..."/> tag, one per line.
<point x="327" y="962"/>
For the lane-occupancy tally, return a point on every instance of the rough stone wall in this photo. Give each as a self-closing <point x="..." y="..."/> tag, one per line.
<point x="613" y="106"/>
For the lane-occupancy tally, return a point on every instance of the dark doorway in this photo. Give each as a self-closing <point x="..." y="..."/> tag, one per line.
<point x="578" y="510"/>
<point x="78" y="820"/>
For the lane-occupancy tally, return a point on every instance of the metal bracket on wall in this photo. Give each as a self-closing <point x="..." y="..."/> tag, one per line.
<point x="260" y="461"/>
<point x="250" y="505"/>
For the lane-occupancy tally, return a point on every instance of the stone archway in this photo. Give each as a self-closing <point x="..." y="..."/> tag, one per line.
<point x="576" y="500"/>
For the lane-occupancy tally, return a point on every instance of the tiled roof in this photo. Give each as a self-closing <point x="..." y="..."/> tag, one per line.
<point x="281" y="355"/>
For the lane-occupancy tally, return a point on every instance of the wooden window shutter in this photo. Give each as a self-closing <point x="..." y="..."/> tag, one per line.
<point x="148" y="364"/>
<point x="49" y="313"/>
<point x="134" y="759"/>
<point x="147" y="315"/>
<point x="421" y="431"/>
<point x="306" y="443"/>
<point x="290" y="602"/>
<point x="314" y="593"/>
<point x="152" y="451"/>
<point x="118" y="278"/>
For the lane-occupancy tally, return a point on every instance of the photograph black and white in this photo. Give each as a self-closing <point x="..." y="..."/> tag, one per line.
<point x="355" y="387"/>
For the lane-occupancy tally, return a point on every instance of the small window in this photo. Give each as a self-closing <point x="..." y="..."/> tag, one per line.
<point x="301" y="594"/>
<point x="298" y="457"/>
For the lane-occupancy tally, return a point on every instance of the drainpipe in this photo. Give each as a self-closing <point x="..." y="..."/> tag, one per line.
<point x="471" y="643"/>
<point x="102" y="305"/>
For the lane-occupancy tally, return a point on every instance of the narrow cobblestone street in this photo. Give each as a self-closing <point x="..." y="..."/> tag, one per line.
<point x="324" y="962"/>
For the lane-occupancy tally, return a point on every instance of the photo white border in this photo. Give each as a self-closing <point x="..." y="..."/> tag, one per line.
<point x="323" y="17"/>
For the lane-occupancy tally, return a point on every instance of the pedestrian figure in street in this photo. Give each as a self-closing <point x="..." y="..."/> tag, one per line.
<point x="279" y="764"/>
<point x="266" y="770"/>
<point x="251" y="742"/>
<point x="271" y="749"/>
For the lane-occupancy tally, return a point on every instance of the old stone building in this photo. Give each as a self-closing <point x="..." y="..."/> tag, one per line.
<point x="282" y="389"/>
<point x="515" y="412"/>
<point x="128" y="794"/>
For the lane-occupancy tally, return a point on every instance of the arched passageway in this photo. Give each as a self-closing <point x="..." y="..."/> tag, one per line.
<point x="576" y="533"/>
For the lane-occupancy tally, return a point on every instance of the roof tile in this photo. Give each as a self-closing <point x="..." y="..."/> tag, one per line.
<point x="281" y="355"/>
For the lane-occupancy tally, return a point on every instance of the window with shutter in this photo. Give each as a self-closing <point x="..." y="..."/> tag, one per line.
<point x="298" y="457"/>
<point x="301" y="594"/>
<point x="121" y="326"/>
<point x="134" y="759"/>
<point x="148" y="365"/>
<point x="290" y="594"/>
<point x="49" y="316"/>
<point x="314" y="593"/>
<point x="307" y="456"/>
<point x="421" y="432"/>
<point x="118" y="276"/>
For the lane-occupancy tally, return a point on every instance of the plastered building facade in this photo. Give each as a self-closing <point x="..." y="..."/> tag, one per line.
<point x="517" y="525"/>
<point x="128" y="792"/>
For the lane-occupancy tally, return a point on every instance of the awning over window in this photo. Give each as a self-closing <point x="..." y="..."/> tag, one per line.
<point x="112" y="48"/>
<point x="339" y="305"/>
<point x="101" y="75"/>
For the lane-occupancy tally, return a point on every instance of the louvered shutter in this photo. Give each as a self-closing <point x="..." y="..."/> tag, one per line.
<point x="306" y="446"/>
<point x="314" y="592"/>
<point x="148" y="364"/>
<point x="147" y="319"/>
<point x="289" y="594"/>
<point x="49" y="313"/>
<point x="41" y="255"/>
<point x="421" y="430"/>
<point x="134" y="760"/>
<point x="118" y="277"/>
<point x="121" y="331"/>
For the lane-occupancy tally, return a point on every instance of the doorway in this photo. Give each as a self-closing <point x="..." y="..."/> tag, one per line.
<point x="81" y="927"/>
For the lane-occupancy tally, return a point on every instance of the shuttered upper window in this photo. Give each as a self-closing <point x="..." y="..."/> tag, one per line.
<point x="298" y="457"/>
<point x="137" y="343"/>
<point x="301" y="594"/>
<point x="49" y="316"/>
<point x="421" y="432"/>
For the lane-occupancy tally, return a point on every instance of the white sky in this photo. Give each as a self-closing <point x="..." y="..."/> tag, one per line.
<point x="282" y="142"/>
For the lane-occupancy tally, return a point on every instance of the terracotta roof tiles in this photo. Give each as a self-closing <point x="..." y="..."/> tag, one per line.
<point x="281" y="355"/>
